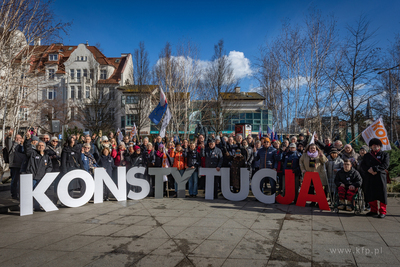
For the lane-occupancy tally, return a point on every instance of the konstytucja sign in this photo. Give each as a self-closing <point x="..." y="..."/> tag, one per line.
<point x="94" y="187"/>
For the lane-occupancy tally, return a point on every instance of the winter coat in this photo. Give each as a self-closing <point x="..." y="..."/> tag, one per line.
<point x="107" y="162"/>
<point x="319" y="166"/>
<point x="136" y="160"/>
<point x="255" y="163"/>
<point x="38" y="164"/>
<point x="89" y="162"/>
<point x="70" y="160"/>
<point x="55" y="156"/>
<point x="213" y="157"/>
<point x="17" y="154"/>
<point x="351" y="177"/>
<point x="149" y="158"/>
<point x="237" y="163"/>
<point x="179" y="160"/>
<point x="332" y="165"/>
<point x="128" y="159"/>
<point x="291" y="161"/>
<point x="375" y="185"/>
<point x="249" y="156"/>
<point x="267" y="157"/>
<point x="119" y="159"/>
<point x="193" y="158"/>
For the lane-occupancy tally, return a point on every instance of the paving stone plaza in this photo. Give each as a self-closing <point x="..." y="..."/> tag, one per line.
<point x="198" y="232"/>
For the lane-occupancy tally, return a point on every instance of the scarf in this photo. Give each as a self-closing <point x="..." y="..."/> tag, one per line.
<point x="149" y="151"/>
<point x="159" y="154"/>
<point x="375" y="152"/>
<point x="312" y="155"/>
<point x="92" y="161"/>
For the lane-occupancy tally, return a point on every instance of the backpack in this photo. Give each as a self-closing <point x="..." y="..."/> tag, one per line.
<point x="6" y="155"/>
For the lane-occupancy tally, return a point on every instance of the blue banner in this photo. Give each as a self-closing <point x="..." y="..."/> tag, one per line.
<point x="156" y="115"/>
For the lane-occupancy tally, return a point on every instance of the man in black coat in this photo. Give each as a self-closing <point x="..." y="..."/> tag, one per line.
<point x="214" y="158"/>
<point x="374" y="166"/>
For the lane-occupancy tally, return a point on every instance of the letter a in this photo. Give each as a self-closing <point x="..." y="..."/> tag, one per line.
<point x="289" y="189"/>
<point x="319" y="196"/>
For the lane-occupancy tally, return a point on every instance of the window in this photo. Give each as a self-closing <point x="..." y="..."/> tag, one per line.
<point x="112" y="93"/>
<point x="72" y="92"/>
<point x="23" y="113"/>
<point x="79" y="92"/>
<point x="112" y="113"/>
<point x="103" y="74"/>
<point x="122" y="121"/>
<point x="130" y="99"/>
<point x="87" y="92"/>
<point x="257" y="116"/>
<point x="78" y="75"/>
<point x="51" y="94"/>
<point x="91" y="73"/>
<point x="72" y="73"/>
<point x="53" y="57"/>
<point x="85" y="58"/>
<point x="81" y="58"/>
<point x="77" y="58"/>
<point x="101" y="92"/>
<point x="130" y="119"/>
<point x="123" y="100"/>
<point x="72" y="113"/>
<point x="51" y="74"/>
<point x="70" y="48"/>
<point x="85" y="73"/>
<point x="249" y="116"/>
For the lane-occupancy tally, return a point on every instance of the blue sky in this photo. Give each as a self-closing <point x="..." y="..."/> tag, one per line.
<point x="244" y="25"/>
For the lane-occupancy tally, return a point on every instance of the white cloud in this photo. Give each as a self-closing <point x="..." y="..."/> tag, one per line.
<point x="240" y="64"/>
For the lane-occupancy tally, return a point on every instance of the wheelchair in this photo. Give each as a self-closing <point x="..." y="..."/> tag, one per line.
<point x="358" y="200"/>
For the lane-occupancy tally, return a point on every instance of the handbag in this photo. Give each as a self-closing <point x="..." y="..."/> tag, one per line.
<point x="76" y="163"/>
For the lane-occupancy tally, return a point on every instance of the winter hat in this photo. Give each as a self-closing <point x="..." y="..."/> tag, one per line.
<point x="267" y="140"/>
<point x="161" y="145"/>
<point x="292" y="145"/>
<point x="104" y="138"/>
<point x="217" y="138"/>
<point x="301" y="135"/>
<point x="375" y="141"/>
<point x="366" y="148"/>
<point x="35" y="138"/>
<point x="136" y="147"/>
<point x="333" y="150"/>
<point x="86" y="133"/>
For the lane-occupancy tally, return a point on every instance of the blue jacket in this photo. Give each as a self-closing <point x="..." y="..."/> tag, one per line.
<point x="85" y="162"/>
<point x="267" y="158"/>
<point x="291" y="158"/>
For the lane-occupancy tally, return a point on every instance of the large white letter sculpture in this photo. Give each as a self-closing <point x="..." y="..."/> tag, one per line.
<point x="27" y="193"/>
<point x="62" y="189"/>
<point x="159" y="183"/>
<point x="255" y="185"/>
<point x="210" y="174"/>
<point x="132" y="180"/>
<point x="244" y="185"/>
<point x="181" y="180"/>
<point x="100" y="176"/>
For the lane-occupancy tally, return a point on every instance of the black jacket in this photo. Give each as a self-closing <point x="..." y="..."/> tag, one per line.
<point x="351" y="177"/>
<point x="375" y="185"/>
<point x="136" y="160"/>
<point x="193" y="158"/>
<point x="55" y="156"/>
<point x="149" y="158"/>
<point x="38" y="165"/>
<point x="107" y="162"/>
<point x="70" y="159"/>
<point x="213" y="157"/>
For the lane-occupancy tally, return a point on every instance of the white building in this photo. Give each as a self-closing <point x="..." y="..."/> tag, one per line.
<point x="72" y="77"/>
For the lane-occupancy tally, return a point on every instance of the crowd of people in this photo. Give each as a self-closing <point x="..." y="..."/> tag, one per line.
<point x="342" y="171"/>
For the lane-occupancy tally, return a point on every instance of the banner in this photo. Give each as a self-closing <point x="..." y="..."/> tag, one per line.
<point x="377" y="130"/>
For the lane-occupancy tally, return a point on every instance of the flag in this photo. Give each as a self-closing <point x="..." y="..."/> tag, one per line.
<point x="269" y="131"/>
<point x="119" y="135"/>
<point x="133" y="131"/>
<point x="259" y="133"/>
<point x="156" y="115"/>
<point x="377" y="130"/>
<point x="165" y="164"/>
<point x="281" y="138"/>
<point x="312" y="139"/>
<point x="272" y="133"/>
<point x="276" y="136"/>
<point x="165" y="123"/>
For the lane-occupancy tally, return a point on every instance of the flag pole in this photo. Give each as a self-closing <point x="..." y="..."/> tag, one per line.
<point x="352" y="141"/>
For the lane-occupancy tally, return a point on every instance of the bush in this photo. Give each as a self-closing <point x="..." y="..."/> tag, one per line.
<point x="394" y="167"/>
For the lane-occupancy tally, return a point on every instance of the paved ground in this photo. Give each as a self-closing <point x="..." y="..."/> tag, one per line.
<point x="197" y="232"/>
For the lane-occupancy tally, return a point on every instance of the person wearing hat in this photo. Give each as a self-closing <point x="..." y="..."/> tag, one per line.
<point x="54" y="150"/>
<point x="374" y="166"/>
<point x="291" y="162"/>
<point x="267" y="156"/>
<point x="334" y="164"/>
<point x="303" y="139"/>
<point x="102" y="142"/>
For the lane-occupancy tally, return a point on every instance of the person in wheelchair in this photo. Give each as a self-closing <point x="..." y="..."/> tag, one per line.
<point x="348" y="180"/>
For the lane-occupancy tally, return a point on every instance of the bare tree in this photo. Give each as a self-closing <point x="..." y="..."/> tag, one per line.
<point x="356" y="75"/>
<point x="218" y="80"/>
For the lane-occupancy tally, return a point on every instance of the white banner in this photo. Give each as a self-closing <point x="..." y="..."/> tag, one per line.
<point x="165" y="123"/>
<point x="377" y="130"/>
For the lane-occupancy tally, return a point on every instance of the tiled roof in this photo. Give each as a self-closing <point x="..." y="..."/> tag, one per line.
<point x="242" y="96"/>
<point x="40" y="58"/>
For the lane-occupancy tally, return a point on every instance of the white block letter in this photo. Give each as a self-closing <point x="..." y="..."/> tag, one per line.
<point x="62" y="188"/>
<point x="159" y="182"/>
<point x="244" y="185"/>
<point x="132" y="180"/>
<point x="255" y="185"/>
<point x="210" y="173"/>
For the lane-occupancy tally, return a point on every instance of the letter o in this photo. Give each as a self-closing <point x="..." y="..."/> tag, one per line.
<point x="62" y="188"/>
<point x="380" y="133"/>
